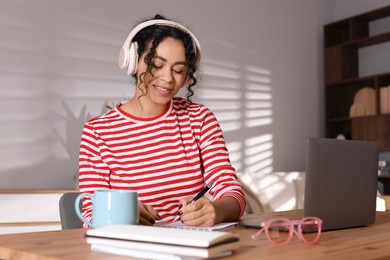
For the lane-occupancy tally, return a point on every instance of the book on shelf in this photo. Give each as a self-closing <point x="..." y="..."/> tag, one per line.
<point x="383" y="168"/>
<point x="383" y="163"/>
<point x="143" y="240"/>
<point x="384" y="172"/>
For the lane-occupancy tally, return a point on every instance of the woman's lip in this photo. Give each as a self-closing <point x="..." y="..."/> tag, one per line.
<point x="162" y="90"/>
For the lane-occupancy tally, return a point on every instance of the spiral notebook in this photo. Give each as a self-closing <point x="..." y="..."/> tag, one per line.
<point x="119" y="239"/>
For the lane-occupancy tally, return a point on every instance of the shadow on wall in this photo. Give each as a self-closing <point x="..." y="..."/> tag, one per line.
<point x="50" y="178"/>
<point x="45" y="172"/>
<point x="74" y="127"/>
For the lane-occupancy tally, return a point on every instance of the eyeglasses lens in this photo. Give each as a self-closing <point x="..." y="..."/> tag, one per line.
<point x="279" y="231"/>
<point x="310" y="230"/>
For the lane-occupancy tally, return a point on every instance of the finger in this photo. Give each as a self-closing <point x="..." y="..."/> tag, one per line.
<point x="195" y="206"/>
<point x="152" y="212"/>
<point x="145" y="217"/>
<point x="185" y="201"/>
<point x="201" y="221"/>
<point x="145" y="221"/>
<point x="199" y="213"/>
<point x="198" y="223"/>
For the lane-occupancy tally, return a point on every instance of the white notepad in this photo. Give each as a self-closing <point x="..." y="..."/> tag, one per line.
<point x="106" y="248"/>
<point x="183" y="237"/>
<point x="157" y="251"/>
<point x="163" y="240"/>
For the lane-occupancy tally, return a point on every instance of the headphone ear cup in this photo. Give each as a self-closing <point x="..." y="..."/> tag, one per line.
<point x="133" y="59"/>
<point x="123" y="58"/>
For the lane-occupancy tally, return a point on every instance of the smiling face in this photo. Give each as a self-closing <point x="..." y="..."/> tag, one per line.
<point x="168" y="74"/>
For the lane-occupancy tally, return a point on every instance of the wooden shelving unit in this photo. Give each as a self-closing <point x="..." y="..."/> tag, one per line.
<point x="343" y="39"/>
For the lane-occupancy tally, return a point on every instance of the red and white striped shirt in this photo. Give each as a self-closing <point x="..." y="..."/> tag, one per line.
<point x="164" y="158"/>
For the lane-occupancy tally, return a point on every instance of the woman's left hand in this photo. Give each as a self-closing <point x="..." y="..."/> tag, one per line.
<point x="147" y="214"/>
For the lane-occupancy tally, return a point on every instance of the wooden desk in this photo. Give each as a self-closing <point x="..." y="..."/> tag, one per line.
<point x="357" y="243"/>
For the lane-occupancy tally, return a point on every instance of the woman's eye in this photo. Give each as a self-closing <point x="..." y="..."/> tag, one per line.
<point x="178" y="71"/>
<point x="156" y="66"/>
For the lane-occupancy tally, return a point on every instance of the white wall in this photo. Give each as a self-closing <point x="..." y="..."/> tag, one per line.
<point x="346" y="8"/>
<point x="262" y="65"/>
<point x="58" y="67"/>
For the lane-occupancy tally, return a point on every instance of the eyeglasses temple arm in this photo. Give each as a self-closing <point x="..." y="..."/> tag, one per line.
<point x="255" y="235"/>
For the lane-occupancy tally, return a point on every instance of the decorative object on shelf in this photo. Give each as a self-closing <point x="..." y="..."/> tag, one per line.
<point x="357" y="109"/>
<point x="364" y="103"/>
<point x="341" y="137"/>
<point x="384" y="168"/>
<point x="384" y="96"/>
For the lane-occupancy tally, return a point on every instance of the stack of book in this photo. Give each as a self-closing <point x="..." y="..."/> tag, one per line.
<point x="148" y="242"/>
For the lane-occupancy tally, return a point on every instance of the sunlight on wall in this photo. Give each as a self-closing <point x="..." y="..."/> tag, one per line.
<point x="279" y="191"/>
<point x="241" y="98"/>
<point x="258" y="154"/>
<point x="55" y="74"/>
<point x="258" y="97"/>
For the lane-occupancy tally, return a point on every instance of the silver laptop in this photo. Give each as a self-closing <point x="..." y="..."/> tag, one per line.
<point x="341" y="182"/>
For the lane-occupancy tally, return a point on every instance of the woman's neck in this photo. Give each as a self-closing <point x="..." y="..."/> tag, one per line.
<point x="140" y="108"/>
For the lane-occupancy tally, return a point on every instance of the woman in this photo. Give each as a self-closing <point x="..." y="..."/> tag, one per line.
<point x="164" y="147"/>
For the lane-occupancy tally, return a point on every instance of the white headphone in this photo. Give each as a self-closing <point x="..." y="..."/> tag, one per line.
<point x="128" y="55"/>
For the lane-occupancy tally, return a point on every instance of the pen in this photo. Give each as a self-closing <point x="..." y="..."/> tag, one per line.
<point x="198" y="196"/>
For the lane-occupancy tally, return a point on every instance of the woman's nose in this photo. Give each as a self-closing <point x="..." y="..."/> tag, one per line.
<point x="166" y="74"/>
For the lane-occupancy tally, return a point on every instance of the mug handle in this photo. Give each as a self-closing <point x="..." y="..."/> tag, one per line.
<point x="77" y="207"/>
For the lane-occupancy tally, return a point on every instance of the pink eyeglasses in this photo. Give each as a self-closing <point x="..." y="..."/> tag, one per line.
<point x="279" y="231"/>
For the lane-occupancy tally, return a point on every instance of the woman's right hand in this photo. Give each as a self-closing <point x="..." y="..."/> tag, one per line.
<point x="147" y="214"/>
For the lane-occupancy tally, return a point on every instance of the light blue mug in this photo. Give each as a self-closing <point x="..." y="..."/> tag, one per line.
<point x="110" y="207"/>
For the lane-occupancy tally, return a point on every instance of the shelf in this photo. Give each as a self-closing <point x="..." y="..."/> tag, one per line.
<point x="339" y="96"/>
<point x="338" y="119"/>
<point x="336" y="33"/>
<point x="338" y="100"/>
<point x="362" y="42"/>
<point x="355" y="29"/>
<point x="383" y="77"/>
<point x="368" y="80"/>
<point x="335" y="128"/>
<point x="368" y="41"/>
<point x="342" y="40"/>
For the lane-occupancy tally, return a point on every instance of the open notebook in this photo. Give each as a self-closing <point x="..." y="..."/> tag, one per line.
<point x="180" y="225"/>
<point x="117" y="239"/>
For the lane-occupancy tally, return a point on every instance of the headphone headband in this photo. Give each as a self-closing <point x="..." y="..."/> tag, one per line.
<point x="128" y="55"/>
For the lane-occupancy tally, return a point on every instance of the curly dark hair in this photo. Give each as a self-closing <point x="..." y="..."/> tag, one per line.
<point x="155" y="34"/>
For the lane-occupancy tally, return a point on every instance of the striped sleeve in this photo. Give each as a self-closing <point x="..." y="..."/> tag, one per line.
<point x="93" y="172"/>
<point x="215" y="157"/>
